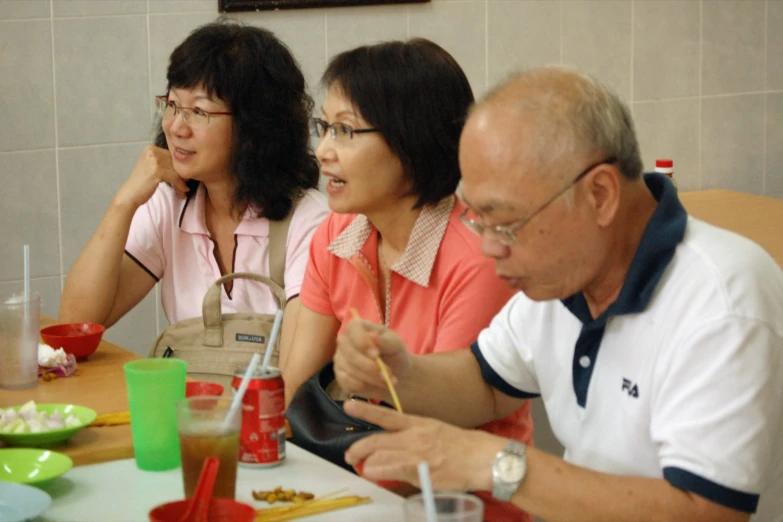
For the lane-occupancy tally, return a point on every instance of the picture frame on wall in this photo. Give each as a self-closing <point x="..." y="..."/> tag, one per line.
<point x="228" y="6"/>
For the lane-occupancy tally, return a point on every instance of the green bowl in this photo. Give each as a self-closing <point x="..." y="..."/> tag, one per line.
<point x="32" y="466"/>
<point x="51" y="437"/>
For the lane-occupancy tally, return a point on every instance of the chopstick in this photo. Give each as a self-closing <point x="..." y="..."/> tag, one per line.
<point x="384" y="371"/>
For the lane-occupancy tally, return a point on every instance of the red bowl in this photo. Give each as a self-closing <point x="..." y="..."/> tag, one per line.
<point x="195" y="388"/>
<point x="80" y="339"/>
<point x="388" y="484"/>
<point x="220" y="510"/>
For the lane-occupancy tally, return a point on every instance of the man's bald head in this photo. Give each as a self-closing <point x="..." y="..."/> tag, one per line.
<point x="559" y="119"/>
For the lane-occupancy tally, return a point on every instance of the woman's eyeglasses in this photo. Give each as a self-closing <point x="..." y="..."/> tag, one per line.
<point x="338" y="131"/>
<point x="192" y="116"/>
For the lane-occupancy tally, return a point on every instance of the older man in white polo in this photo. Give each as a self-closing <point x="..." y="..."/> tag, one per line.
<point x="655" y="340"/>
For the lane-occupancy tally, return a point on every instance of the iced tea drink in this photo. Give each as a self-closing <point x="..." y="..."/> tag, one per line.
<point x="203" y="433"/>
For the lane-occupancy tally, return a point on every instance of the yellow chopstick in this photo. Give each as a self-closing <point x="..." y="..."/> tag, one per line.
<point x="384" y="371"/>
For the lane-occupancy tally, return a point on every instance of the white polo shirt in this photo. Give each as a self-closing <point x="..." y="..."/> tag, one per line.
<point x="681" y="379"/>
<point x="169" y="239"/>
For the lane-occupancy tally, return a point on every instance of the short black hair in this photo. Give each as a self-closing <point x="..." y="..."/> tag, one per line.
<point x="258" y="77"/>
<point x="418" y="96"/>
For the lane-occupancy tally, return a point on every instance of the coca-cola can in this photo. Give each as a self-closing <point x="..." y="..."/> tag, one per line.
<point x="262" y="437"/>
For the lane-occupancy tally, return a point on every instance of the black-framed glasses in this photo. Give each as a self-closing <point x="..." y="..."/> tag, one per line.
<point x="192" y="116"/>
<point x="338" y="131"/>
<point x="506" y="235"/>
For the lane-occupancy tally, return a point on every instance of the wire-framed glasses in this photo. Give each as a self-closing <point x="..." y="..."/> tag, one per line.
<point x="192" y="116"/>
<point x="506" y="235"/>
<point x="338" y="131"/>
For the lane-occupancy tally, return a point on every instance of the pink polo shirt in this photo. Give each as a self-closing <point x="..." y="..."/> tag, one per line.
<point x="169" y="239"/>
<point x="441" y="294"/>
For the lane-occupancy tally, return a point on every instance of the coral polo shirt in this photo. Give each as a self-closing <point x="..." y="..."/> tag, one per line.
<point x="442" y="292"/>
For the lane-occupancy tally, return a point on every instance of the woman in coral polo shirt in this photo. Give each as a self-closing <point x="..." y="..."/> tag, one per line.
<point x="393" y="247"/>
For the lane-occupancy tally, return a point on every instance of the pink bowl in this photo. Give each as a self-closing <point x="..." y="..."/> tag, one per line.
<point x="194" y="388"/>
<point x="80" y="339"/>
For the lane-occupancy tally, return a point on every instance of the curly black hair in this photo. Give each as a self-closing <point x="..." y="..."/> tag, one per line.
<point x="418" y="96"/>
<point x="258" y="77"/>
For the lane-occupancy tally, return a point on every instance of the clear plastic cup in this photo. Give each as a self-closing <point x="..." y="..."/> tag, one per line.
<point x="449" y="507"/>
<point x="19" y="327"/>
<point x="204" y="433"/>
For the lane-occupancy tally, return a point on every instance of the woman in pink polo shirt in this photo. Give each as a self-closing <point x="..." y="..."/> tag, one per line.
<point x="394" y="248"/>
<point x="232" y="153"/>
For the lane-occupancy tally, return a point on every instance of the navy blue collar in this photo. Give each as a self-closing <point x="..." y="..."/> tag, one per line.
<point x="662" y="234"/>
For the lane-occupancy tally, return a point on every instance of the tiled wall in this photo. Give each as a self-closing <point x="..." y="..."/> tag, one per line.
<point x="705" y="80"/>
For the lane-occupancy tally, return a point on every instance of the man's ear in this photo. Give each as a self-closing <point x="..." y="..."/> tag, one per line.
<point x="603" y="190"/>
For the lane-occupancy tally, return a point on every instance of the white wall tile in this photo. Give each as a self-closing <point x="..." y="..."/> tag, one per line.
<point x="90" y="174"/>
<point x="521" y="35"/>
<point x="29" y="213"/>
<point x="665" y="49"/>
<point x="774" y="140"/>
<point x="733" y="143"/>
<point x="733" y="46"/>
<point x="304" y="32"/>
<point x="65" y="8"/>
<point x="15" y="9"/>
<point x="102" y="86"/>
<point x="459" y="28"/>
<point x="670" y="129"/>
<point x="26" y="84"/>
<point x="166" y="32"/>
<point x="353" y="27"/>
<point x="138" y="329"/>
<point x="184" y="6"/>
<point x="597" y="39"/>
<point x="775" y="45"/>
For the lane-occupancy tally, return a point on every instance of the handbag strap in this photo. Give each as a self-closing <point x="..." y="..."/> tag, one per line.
<point x="278" y="238"/>
<point x="211" y="307"/>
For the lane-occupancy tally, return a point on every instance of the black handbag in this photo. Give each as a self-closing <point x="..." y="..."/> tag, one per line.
<point x="320" y="425"/>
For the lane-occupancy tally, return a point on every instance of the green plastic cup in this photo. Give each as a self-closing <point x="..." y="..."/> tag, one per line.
<point x="154" y="387"/>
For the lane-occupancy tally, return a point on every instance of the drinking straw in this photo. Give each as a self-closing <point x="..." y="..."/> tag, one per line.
<point x="270" y="346"/>
<point x="26" y="273"/>
<point x="251" y="369"/>
<point x="426" y="491"/>
<point x="235" y="404"/>
<point x="384" y="371"/>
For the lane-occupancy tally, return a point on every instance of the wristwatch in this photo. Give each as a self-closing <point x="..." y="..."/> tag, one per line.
<point x="508" y="470"/>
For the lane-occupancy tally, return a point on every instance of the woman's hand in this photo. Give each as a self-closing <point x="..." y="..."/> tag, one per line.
<point x="355" y="364"/>
<point x="153" y="167"/>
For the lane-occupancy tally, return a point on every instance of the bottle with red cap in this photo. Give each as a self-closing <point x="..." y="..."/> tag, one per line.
<point x="666" y="167"/>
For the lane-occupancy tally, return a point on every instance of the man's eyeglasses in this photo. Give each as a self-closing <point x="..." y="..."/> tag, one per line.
<point x="338" y="131"/>
<point x="192" y="116"/>
<point x="506" y="235"/>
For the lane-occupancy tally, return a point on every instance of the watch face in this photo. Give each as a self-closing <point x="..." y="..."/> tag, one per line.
<point x="511" y="468"/>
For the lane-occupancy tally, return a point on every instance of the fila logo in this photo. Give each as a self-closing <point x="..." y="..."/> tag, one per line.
<point x="631" y="388"/>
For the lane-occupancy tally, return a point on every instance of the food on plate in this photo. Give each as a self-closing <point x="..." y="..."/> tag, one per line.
<point x="29" y="420"/>
<point x="283" y="495"/>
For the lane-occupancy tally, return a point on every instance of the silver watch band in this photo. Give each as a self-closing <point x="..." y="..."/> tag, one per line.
<point x="501" y="489"/>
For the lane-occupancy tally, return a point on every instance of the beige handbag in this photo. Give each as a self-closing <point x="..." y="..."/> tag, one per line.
<point x="216" y="344"/>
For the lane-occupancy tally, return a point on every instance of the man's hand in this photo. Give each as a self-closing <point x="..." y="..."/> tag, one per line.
<point x="355" y="364"/>
<point x="459" y="459"/>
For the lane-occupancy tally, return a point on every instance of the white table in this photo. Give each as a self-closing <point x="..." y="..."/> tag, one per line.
<point x="118" y="491"/>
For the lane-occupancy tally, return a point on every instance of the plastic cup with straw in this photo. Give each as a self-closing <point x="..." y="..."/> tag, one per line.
<point x="426" y="491"/>
<point x="251" y="370"/>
